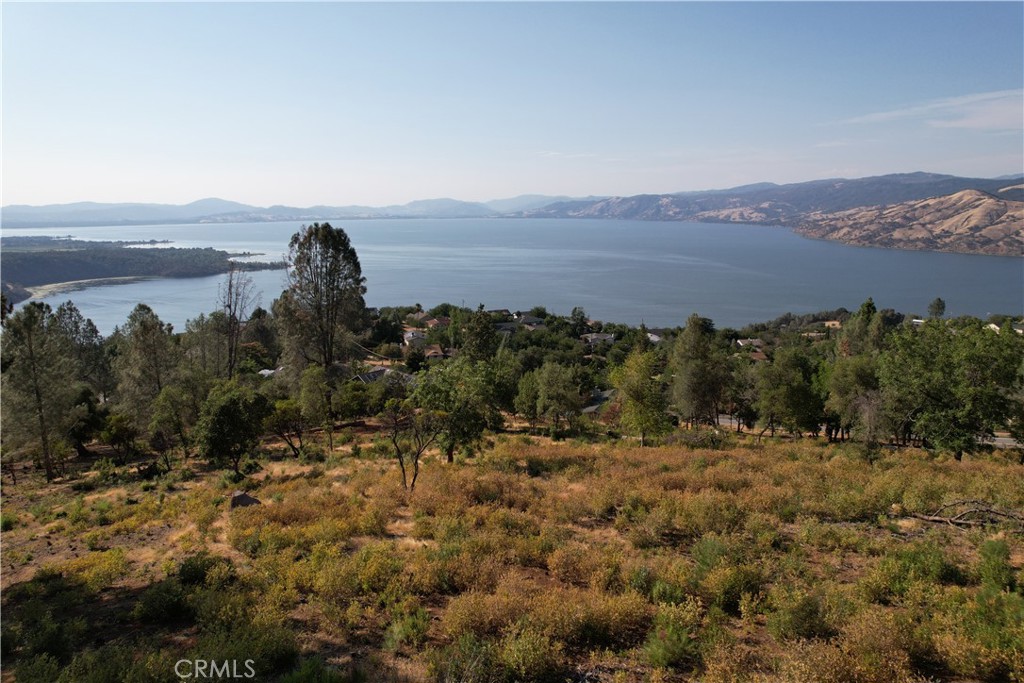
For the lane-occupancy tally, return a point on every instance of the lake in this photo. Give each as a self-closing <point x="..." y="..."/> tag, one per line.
<point x="657" y="273"/>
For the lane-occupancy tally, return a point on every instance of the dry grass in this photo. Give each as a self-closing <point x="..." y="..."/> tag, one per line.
<point x="783" y="562"/>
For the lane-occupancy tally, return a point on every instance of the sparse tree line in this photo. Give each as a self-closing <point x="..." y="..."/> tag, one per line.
<point x="941" y="384"/>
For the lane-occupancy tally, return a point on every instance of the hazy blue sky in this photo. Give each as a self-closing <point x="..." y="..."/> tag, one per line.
<point x="374" y="104"/>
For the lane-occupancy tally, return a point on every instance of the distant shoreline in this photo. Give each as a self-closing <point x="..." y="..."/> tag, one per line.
<point x="51" y="288"/>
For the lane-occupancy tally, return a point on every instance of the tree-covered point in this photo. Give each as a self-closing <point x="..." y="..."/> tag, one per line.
<point x="39" y="267"/>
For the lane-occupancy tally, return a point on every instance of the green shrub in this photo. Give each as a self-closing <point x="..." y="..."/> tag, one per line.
<point x="798" y="615"/>
<point x="995" y="569"/>
<point x="668" y="592"/>
<point x="117" y="663"/>
<point x="195" y="568"/>
<point x="217" y="609"/>
<point x="7" y="521"/>
<point x="529" y="655"/>
<point x="38" y="669"/>
<point x="467" y="660"/>
<point x="97" y="570"/>
<point x="110" y="663"/>
<point x="725" y="585"/>
<point x="984" y="637"/>
<point x="314" y="670"/>
<point x="162" y="602"/>
<point x="272" y="648"/>
<point x="894" y="575"/>
<point x="407" y="629"/>
<point x="591" y="619"/>
<point x="574" y="563"/>
<point x="673" y="641"/>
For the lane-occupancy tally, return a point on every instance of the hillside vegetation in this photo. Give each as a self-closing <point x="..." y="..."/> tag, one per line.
<point x="789" y="561"/>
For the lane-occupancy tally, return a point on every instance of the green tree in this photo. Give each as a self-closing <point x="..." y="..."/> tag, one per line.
<point x="236" y="298"/>
<point x="121" y="435"/>
<point x="479" y="339"/>
<point x="38" y="387"/>
<point x="528" y="398"/>
<point x="937" y="308"/>
<point x="145" y="362"/>
<point x="741" y="396"/>
<point x="315" y="398"/>
<point x="950" y="387"/>
<point x="85" y="419"/>
<point x="411" y="432"/>
<point x="87" y="347"/>
<point x="856" y="337"/>
<point x="324" y="299"/>
<point x="578" y="322"/>
<point x="6" y="307"/>
<point x="261" y="329"/>
<point x="701" y="373"/>
<point x="230" y="425"/>
<point x="287" y="422"/>
<point x="641" y="395"/>
<point x="460" y="393"/>
<point x="175" y="413"/>
<point x="203" y="345"/>
<point x="851" y="390"/>
<point x="558" y="395"/>
<point x="786" y="395"/>
<point x="504" y="371"/>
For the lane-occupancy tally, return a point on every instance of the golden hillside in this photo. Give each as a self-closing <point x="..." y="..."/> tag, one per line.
<point x="967" y="221"/>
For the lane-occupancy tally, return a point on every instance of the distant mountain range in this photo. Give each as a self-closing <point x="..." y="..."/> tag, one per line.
<point x="222" y="211"/>
<point x="781" y="204"/>
<point x="860" y="211"/>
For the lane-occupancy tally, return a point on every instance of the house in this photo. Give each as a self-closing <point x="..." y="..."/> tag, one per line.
<point x="415" y="338"/>
<point x="502" y="313"/>
<point x="598" y="399"/>
<point x="993" y="327"/>
<point x="592" y="339"/>
<point x="378" y="374"/>
<point x="1018" y="328"/>
<point x="504" y="328"/>
<point x="530" y="327"/>
<point x="917" y="322"/>
<point x="758" y="357"/>
<point x="372" y="376"/>
<point x="755" y="343"/>
<point x="433" y="352"/>
<point x="814" y="335"/>
<point x="439" y="322"/>
<point x="654" y="338"/>
<point x="526" y="319"/>
<point x="833" y="325"/>
<point x="419" y="316"/>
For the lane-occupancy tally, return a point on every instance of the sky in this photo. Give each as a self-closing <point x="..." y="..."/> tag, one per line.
<point x="384" y="103"/>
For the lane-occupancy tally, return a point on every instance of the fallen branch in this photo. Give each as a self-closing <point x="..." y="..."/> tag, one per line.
<point x="979" y="513"/>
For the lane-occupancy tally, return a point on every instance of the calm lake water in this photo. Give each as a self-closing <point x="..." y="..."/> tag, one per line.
<point x="657" y="273"/>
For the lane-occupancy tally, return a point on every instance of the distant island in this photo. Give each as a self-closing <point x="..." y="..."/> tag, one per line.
<point x="881" y="211"/>
<point x="31" y="265"/>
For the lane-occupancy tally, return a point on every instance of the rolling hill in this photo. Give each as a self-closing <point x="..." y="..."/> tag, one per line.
<point x="968" y="221"/>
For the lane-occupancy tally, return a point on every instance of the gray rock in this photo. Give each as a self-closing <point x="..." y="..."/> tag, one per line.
<point x="241" y="499"/>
